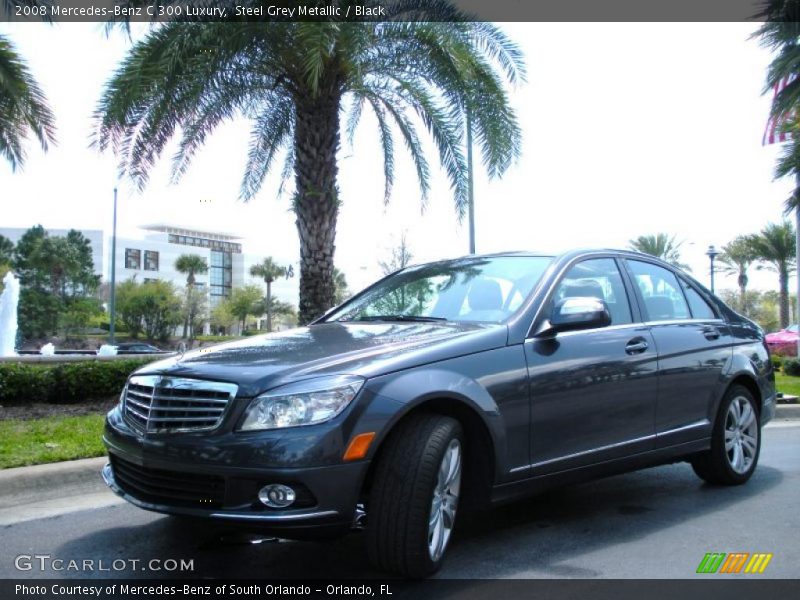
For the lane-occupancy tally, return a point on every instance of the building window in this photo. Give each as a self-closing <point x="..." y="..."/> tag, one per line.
<point x="205" y="243"/>
<point x="220" y="275"/>
<point x="149" y="280"/>
<point x="133" y="258"/>
<point x="150" y="260"/>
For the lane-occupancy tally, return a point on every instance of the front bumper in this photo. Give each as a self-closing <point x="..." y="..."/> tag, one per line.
<point x="768" y="409"/>
<point x="171" y="474"/>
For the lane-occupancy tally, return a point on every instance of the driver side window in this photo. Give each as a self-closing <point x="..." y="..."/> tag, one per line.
<point x="597" y="278"/>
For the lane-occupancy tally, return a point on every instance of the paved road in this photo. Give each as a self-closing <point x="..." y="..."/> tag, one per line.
<point x="656" y="523"/>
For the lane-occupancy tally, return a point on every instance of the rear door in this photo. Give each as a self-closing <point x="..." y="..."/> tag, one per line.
<point x="694" y="344"/>
<point x="593" y="392"/>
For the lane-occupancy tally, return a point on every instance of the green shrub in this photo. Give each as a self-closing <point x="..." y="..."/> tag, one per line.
<point x="23" y="383"/>
<point x="791" y="366"/>
<point x="777" y="361"/>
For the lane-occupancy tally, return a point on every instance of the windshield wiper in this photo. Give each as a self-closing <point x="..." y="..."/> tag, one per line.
<point x="399" y="318"/>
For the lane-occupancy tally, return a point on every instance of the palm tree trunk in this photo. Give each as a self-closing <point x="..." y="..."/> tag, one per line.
<point x="316" y="203"/>
<point x="269" y="307"/>
<point x="784" y="296"/>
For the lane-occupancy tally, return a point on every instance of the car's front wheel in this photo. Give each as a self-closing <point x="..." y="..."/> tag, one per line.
<point x="735" y="441"/>
<point x="414" y="495"/>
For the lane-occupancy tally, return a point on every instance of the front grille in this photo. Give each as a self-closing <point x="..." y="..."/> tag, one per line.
<point x="160" y="404"/>
<point x="172" y="488"/>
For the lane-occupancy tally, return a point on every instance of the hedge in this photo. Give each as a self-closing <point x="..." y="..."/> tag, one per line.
<point x="791" y="366"/>
<point x="23" y="383"/>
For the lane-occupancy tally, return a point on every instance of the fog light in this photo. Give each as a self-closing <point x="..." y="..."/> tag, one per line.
<point x="276" y="495"/>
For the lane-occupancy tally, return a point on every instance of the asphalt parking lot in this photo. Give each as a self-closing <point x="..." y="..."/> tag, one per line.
<point x="657" y="523"/>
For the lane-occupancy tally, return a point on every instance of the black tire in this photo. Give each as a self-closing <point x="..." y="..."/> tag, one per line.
<point x="402" y="492"/>
<point x="715" y="465"/>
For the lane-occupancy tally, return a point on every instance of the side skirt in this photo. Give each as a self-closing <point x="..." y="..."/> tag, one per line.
<point x="509" y="492"/>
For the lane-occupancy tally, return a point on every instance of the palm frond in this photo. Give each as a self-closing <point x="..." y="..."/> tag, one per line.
<point x="24" y="110"/>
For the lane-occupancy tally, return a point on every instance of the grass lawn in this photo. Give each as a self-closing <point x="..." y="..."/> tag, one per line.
<point x="787" y="384"/>
<point x="50" y="439"/>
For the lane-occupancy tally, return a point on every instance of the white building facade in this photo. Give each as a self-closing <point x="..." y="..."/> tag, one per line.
<point x="152" y="257"/>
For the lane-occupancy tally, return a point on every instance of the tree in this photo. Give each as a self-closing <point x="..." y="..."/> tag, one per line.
<point x="781" y="34"/>
<point x="221" y="317"/>
<point x="78" y="314"/>
<point x="243" y="302"/>
<point x="23" y="107"/>
<point x="195" y="310"/>
<point x="775" y="246"/>
<point x="53" y="272"/>
<point x="6" y="250"/>
<point x="190" y="265"/>
<point x="283" y="313"/>
<point x="269" y="271"/>
<point x="6" y="256"/>
<point x="401" y="257"/>
<point x="342" y="292"/>
<point x="661" y="246"/>
<point x="762" y="306"/>
<point x="296" y="81"/>
<point x="735" y="259"/>
<point x="152" y="308"/>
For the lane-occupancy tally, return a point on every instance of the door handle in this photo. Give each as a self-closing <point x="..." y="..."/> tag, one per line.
<point x="636" y="346"/>
<point x="711" y="333"/>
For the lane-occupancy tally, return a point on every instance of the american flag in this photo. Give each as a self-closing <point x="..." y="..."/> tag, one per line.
<point x="775" y="130"/>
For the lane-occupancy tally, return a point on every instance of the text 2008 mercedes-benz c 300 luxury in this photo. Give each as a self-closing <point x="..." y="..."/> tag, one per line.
<point x="445" y="387"/>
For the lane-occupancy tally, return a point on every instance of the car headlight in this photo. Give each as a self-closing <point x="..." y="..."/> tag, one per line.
<point x="302" y="403"/>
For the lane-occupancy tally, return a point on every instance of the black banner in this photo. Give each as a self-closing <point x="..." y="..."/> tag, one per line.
<point x="381" y="10"/>
<point x="734" y="588"/>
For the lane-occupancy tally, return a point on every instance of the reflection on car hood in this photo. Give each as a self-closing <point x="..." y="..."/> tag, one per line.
<point x="260" y="362"/>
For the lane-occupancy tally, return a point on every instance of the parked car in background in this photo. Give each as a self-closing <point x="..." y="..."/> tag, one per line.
<point x="447" y="387"/>
<point x="784" y="342"/>
<point x="137" y="348"/>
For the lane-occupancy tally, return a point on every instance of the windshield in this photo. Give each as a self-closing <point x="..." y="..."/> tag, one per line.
<point x="487" y="289"/>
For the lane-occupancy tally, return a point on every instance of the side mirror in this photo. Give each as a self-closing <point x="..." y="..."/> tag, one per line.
<point x="575" y="313"/>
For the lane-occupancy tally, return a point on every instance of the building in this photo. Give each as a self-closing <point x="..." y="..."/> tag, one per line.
<point x="152" y="256"/>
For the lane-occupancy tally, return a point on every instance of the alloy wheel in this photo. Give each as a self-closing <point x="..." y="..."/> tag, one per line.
<point x="445" y="501"/>
<point x="741" y="434"/>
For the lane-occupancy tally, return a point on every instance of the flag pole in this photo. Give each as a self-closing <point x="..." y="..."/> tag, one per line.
<point x="797" y="255"/>
<point x="471" y="186"/>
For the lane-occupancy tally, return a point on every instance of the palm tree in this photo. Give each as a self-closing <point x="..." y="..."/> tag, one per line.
<point x="24" y="110"/>
<point x="775" y="245"/>
<point x="190" y="265"/>
<point x="302" y="84"/>
<point x="735" y="259"/>
<point x="342" y="292"/>
<point x="269" y="271"/>
<point x="661" y="246"/>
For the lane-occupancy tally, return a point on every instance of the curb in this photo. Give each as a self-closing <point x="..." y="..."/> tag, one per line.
<point x="787" y="411"/>
<point x="43" y="481"/>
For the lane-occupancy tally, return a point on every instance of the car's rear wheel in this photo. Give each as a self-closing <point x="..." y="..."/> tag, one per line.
<point x="414" y="496"/>
<point x="735" y="441"/>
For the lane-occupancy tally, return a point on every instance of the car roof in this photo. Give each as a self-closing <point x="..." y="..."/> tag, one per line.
<point x="564" y="255"/>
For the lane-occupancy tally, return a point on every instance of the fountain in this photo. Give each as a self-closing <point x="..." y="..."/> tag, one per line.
<point x="8" y="315"/>
<point x="107" y="350"/>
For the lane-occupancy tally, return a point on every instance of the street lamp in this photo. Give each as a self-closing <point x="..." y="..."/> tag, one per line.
<point x="113" y="307"/>
<point x="712" y="253"/>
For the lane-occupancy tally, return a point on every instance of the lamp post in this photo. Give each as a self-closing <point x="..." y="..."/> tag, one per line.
<point x="113" y="308"/>
<point x="712" y="253"/>
<point x="470" y="186"/>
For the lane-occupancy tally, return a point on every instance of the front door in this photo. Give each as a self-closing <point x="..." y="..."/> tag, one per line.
<point x="593" y="392"/>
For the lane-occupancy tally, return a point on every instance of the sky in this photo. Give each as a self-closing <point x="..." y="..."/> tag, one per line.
<point x="628" y="129"/>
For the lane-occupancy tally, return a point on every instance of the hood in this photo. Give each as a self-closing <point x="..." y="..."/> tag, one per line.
<point x="368" y="349"/>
